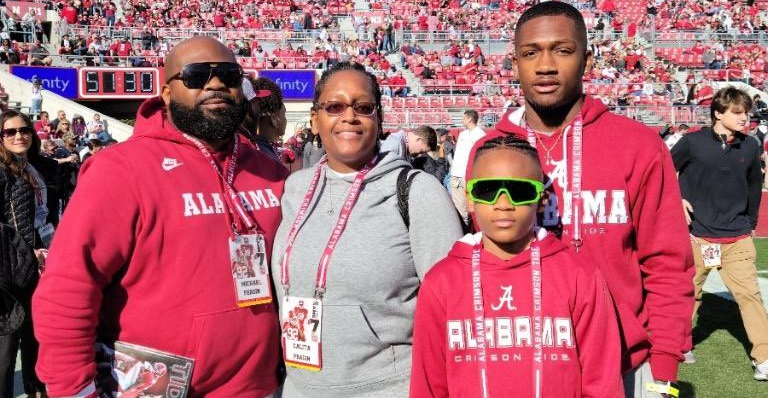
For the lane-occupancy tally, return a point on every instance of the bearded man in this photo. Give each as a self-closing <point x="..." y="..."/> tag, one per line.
<point x="144" y="254"/>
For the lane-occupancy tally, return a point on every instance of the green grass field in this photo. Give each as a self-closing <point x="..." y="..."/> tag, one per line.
<point x="722" y="350"/>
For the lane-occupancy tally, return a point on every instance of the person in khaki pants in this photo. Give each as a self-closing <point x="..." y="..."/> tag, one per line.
<point x="720" y="179"/>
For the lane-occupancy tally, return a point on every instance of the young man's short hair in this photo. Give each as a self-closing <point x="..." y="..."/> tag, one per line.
<point x="427" y="134"/>
<point x="473" y="115"/>
<point x="728" y="97"/>
<point x="555" y="8"/>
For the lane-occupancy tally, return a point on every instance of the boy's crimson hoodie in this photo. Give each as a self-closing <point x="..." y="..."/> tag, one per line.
<point x="632" y="227"/>
<point x="581" y="344"/>
<point x="142" y="256"/>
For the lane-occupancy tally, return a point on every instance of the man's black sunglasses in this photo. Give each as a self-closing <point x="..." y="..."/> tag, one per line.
<point x="197" y="75"/>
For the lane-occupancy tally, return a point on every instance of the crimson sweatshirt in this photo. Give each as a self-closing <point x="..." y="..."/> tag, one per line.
<point x="142" y="256"/>
<point x="632" y="227"/>
<point x="581" y="347"/>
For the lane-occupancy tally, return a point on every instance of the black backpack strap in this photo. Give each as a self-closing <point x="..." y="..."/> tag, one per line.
<point x="404" y="182"/>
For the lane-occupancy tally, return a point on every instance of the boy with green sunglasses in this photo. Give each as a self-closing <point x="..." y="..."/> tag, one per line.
<point x="511" y="302"/>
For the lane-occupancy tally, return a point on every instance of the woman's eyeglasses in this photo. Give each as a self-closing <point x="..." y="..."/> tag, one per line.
<point x="11" y="132"/>
<point x="336" y="108"/>
<point x="519" y="191"/>
<point x="196" y="76"/>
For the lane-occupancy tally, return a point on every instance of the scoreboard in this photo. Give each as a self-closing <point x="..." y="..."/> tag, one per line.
<point x="119" y="83"/>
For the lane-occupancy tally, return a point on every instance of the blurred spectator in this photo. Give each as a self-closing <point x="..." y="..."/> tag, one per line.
<point x="43" y="125"/>
<point x="759" y="108"/>
<point x="79" y="128"/>
<point x="28" y="24"/>
<point x="97" y="129"/>
<point x="398" y="85"/>
<point x="703" y="93"/>
<point x="430" y="161"/>
<point x="313" y="150"/>
<point x="94" y="146"/>
<point x="63" y="130"/>
<point x="36" y="98"/>
<point x="60" y="116"/>
<point x="673" y="138"/>
<point x="38" y="55"/>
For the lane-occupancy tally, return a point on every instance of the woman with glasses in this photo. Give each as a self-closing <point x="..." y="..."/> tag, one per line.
<point x="348" y="260"/>
<point x="63" y="130"/>
<point x="24" y="204"/>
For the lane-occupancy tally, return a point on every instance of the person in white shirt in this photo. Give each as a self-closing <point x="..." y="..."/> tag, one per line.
<point x="464" y="144"/>
<point x="673" y="138"/>
<point x="95" y="126"/>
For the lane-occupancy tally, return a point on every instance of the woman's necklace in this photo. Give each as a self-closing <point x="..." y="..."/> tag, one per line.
<point x="558" y="132"/>
<point x="333" y="202"/>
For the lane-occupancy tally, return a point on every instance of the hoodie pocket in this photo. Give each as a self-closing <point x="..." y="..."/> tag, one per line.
<point x="353" y="354"/>
<point x="229" y="344"/>
<point x="633" y="334"/>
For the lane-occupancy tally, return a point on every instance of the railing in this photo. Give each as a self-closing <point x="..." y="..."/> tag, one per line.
<point x="484" y="38"/>
<point x="173" y="35"/>
<point x="653" y="116"/>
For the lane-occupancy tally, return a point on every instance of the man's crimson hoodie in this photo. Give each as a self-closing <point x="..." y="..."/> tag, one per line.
<point x="632" y="227"/>
<point x="581" y="346"/>
<point x="142" y="256"/>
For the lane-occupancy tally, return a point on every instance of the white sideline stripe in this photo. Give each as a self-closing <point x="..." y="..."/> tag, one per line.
<point x="714" y="285"/>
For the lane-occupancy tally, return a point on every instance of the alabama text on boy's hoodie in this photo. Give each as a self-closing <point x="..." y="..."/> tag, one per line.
<point x="580" y="336"/>
<point x="631" y="224"/>
<point x="142" y="256"/>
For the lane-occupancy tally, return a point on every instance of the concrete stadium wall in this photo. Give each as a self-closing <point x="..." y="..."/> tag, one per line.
<point x="19" y="90"/>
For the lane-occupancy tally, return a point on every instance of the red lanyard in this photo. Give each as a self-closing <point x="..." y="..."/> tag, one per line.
<point x="341" y="224"/>
<point x="243" y="221"/>
<point x="479" y="312"/>
<point x="477" y="299"/>
<point x="538" y="356"/>
<point x="576" y="174"/>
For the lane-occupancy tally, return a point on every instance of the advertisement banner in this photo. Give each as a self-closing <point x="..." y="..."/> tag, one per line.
<point x="374" y="17"/>
<point x="21" y="7"/>
<point x="61" y="81"/>
<point x="297" y="85"/>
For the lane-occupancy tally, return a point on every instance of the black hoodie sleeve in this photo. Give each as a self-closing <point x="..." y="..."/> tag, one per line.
<point x="755" y="181"/>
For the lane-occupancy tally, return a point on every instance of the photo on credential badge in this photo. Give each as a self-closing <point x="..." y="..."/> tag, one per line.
<point x="133" y="371"/>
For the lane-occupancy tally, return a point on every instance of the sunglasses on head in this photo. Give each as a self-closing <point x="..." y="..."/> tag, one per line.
<point x="336" y="108"/>
<point x="197" y="75"/>
<point x="520" y="191"/>
<point x="8" y="133"/>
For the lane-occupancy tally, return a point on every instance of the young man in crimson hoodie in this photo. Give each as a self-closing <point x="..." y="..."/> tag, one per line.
<point x="144" y="253"/>
<point x="615" y="194"/>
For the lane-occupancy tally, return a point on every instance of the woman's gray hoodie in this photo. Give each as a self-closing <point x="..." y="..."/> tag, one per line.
<point x="373" y="277"/>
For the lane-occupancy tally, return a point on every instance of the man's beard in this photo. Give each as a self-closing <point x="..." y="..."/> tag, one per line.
<point x="208" y="125"/>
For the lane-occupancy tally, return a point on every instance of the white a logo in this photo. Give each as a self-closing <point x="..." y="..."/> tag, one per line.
<point x="505" y="299"/>
<point x="170" y="164"/>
